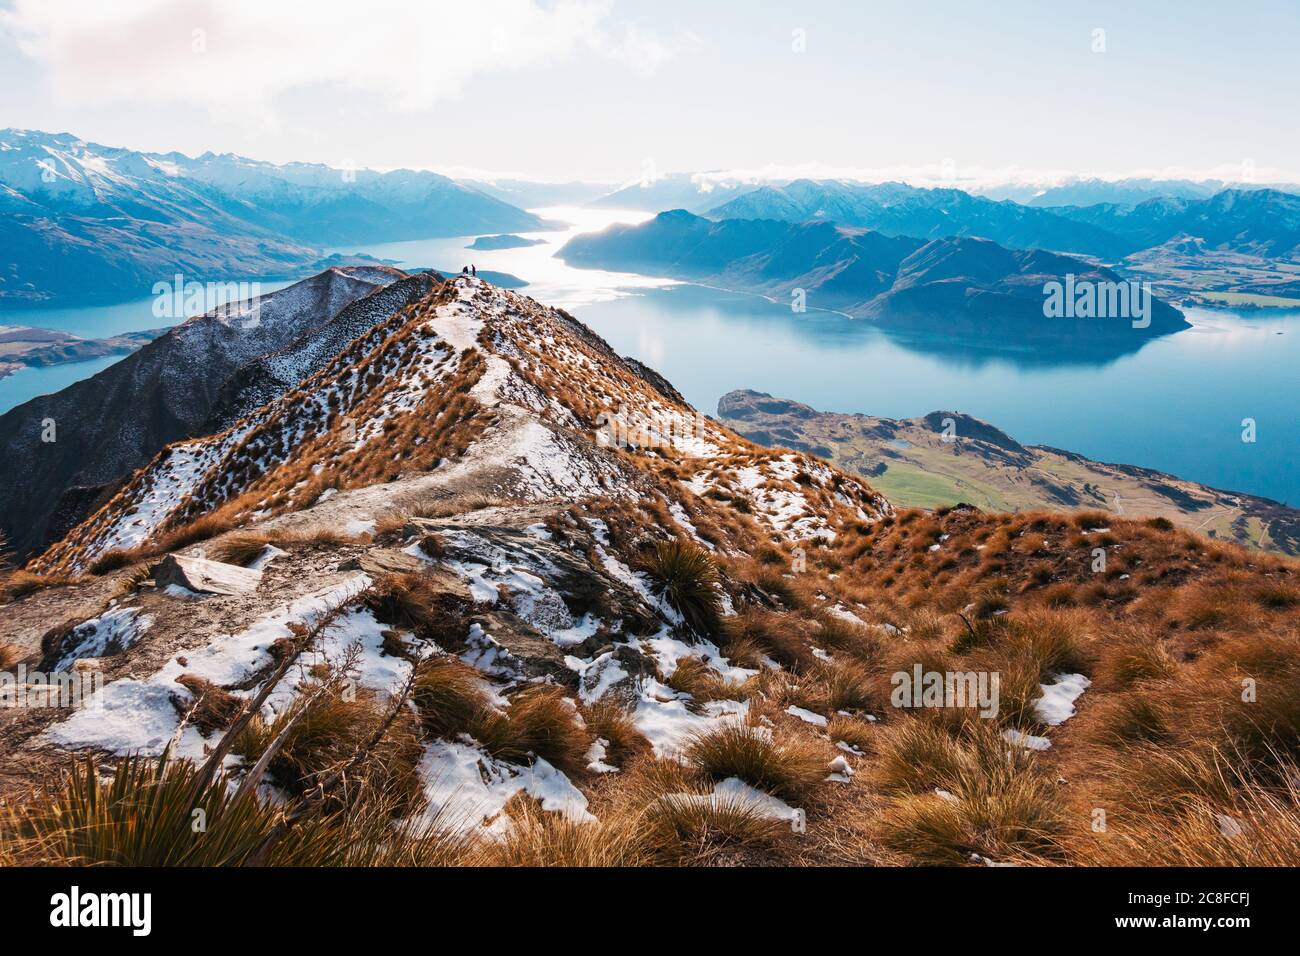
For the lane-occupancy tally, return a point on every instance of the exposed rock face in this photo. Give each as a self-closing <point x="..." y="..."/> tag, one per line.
<point x="205" y="577"/>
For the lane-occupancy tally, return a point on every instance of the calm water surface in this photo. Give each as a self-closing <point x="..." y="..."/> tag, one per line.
<point x="1175" y="403"/>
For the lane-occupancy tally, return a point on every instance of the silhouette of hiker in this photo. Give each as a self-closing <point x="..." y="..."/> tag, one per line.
<point x="464" y="270"/>
<point x="473" y="270"/>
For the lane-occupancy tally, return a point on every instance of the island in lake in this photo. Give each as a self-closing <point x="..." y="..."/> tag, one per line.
<point x="507" y="241"/>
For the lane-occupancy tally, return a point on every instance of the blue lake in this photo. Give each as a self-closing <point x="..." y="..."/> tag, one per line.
<point x="1174" y="403"/>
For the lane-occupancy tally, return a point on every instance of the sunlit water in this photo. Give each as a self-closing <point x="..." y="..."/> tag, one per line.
<point x="549" y="279"/>
<point x="1175" y="404"/>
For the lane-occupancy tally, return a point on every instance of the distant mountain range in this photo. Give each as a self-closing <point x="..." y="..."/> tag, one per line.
<point x="958" y="285"/>
<point x="83" y="221"/>
<point x="1264" y="222"/>
<point x="896" y="209"/>
<point x="1261" y="222"/>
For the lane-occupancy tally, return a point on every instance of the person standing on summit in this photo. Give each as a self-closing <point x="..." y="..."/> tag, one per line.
<point x="473" y="270"/>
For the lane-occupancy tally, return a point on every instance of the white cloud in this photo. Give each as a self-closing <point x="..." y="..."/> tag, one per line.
<point x="221" y="54"/>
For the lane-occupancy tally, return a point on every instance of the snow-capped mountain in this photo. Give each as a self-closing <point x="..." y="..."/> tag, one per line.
<point x="83" y="220"/>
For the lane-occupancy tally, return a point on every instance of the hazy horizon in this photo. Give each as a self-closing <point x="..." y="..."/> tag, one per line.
<point x="618" y="92"/>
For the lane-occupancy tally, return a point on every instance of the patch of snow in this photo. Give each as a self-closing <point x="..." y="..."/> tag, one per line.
<point x="734" y="794"/>
<point x="840" y="770"/>
<point x="1056" y="706"/>
<point x="807" y="716"/>
<point x="1022" y="739"/>
<point x="466" y="788"/>
<point x="663" y="717"/>
<point x="111" y="632"/>
<point x="596" y="754"/>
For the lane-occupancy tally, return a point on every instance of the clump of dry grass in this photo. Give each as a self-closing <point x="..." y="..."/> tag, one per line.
<point x="836" y="685"/>
<point x="847" y="637"/>
<point x="412" y="602"/>
<point x="915" y="756"/>
<point x="612" y="722"/>
<point x="325" y="733"/>
<point x="16" y="584"/>
<point x="791" y="769"/>
<point x="450" y="698"/>
<point x="542" y="722"/>
<point x="1259" y="826"/>
<point x="200" y="529"/>
<point x="239" y="548"/>
<point x="540" y="839"/>
<point x="1135" y="716"/>
<point x="310" y="538"/>
<point x="780" y="636"/>
<point x="858" y="734"/>
<point x="1135" y="657"/>
<point x="142" y="815"/>
<point x="694" y="676"/>
<point x="212" y="708"/>
<point x="685" y="824"/>
<point x="978" y="797"/>
<point x="688" y="580"/>
<point x="135" y="576"/>
<point x="114" y="560"/>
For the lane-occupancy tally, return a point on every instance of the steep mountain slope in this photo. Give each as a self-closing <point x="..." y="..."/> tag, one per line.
<point x="913" y="463"/>
<point x="63" y="453"/>
<point x="85" y="221"/>
<point x="965" y="286"/>
<point x="504" y="598"/>
<point x="896" y="209"/>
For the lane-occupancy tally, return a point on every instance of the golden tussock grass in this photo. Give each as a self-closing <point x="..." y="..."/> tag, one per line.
<point x="963" y="795"/>
<point x="791" y="768"/>
<point x="611" y="721"/>
<point x="535" y="838"/>
<point x="326" y="736"/>
<point x="15" y="584"/>
<point x="239" y="547"/>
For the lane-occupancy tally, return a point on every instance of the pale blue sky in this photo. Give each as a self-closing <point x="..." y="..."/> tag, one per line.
<point x="593" y="90"/>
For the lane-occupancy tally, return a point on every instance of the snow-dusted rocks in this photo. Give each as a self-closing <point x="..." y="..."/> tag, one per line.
<point x="205" y="577"/>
